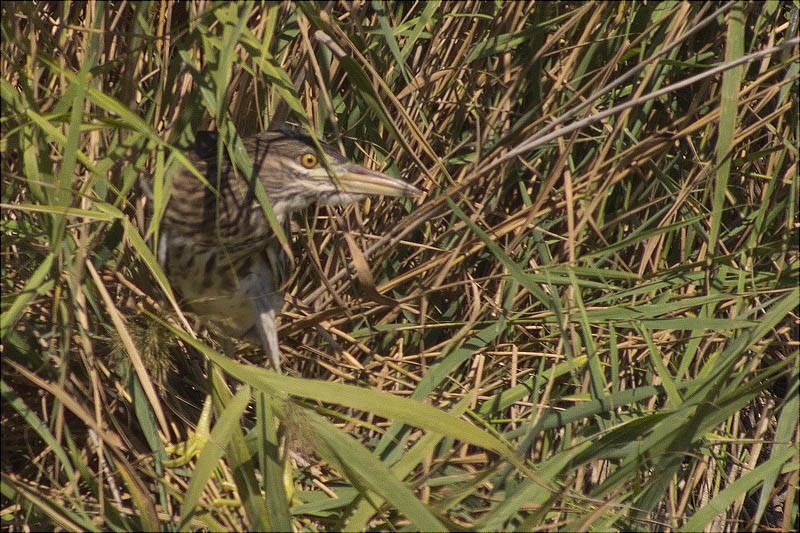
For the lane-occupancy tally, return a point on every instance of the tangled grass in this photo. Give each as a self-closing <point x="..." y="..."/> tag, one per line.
<point x="588" y="320"/>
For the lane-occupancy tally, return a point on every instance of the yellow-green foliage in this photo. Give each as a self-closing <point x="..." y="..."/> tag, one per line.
<point x="587" y="321"/>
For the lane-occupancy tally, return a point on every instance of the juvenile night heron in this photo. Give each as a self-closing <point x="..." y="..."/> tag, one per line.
<point x="217" y="247"/>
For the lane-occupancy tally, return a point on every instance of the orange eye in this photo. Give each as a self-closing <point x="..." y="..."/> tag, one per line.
<point x="308" y="160"/>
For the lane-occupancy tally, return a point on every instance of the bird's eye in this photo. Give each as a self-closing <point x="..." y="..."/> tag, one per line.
<point x="308" y="160"/>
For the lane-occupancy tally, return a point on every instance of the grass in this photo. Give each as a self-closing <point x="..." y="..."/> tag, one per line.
<point x="587" y="321"/>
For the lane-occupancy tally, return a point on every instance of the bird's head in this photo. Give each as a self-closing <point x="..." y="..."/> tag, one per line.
<point x="295" y="175"/>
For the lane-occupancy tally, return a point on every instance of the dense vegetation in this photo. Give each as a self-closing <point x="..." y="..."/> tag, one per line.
<point x="587" y="321"/>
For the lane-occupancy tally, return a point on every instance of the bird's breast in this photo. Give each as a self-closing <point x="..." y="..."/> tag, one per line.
<point x="219" y="282"/>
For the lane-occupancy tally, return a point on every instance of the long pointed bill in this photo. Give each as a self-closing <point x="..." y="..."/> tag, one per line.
<point x="355" y="179"/>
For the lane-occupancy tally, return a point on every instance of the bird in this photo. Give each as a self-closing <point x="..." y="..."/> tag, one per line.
<point x="217" y="247"/>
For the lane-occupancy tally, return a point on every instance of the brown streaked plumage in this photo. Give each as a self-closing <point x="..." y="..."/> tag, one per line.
<point x="220" y="252"/>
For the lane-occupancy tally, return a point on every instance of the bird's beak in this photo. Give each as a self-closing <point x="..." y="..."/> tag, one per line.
<point x="355" y="179"/>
